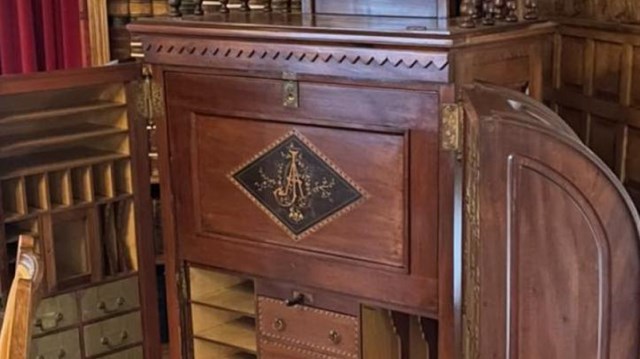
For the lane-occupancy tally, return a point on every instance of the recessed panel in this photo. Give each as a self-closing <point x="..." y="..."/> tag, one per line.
<point x="331" y="191"/>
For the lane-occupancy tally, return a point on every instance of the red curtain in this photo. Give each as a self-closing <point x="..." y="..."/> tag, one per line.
<point x="40" y="35"/>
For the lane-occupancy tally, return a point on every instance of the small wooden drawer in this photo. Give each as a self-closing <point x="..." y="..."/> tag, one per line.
<point x="56" y="346"/>
<point x="274" y="350"/>
<point x="332" y="333"/>
<point x="116" y="297"/>
<point x="112" y="334"/>
<point x="133" y="353"/>
<point x="55" y="313"/>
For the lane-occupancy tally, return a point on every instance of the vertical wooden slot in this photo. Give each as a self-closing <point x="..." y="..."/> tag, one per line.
<point x="125" y="231"/>
<point x="122" y="177"/>
<point x="60" y="189"/>
<point x="103" y="181"/>
<point x="379" y="338"/>
<point x="81" y="184"/>
<point x="37" y="194"/>
<point x="73" y="232"/>
<point x="14" y="199"/>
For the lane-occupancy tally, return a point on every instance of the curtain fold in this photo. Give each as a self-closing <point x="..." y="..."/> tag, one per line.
<point x="40" y="35"/>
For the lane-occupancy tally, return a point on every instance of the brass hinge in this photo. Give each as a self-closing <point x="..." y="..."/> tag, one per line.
<point x="153" y="105"/>
<point x="451" y="114"/>
<point x="290" y="92"/>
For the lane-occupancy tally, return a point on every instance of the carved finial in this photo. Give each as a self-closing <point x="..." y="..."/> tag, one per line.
<point x="499" y="9"/>
<point x="512" y="8"/>
<point x="281" y="5"/>
<point x="478" y="4"/>
<point x="223" y="6"/>
<point x="488" y="10"/>
<point x="174" y="7"/>
<point x="531" y="10"/>
<point x="467" y="10"/>
<point x="197" y="9"/>
<point x="267" y="6"/>
<point x="296" y="6"/>
<point x="244" y="5"/>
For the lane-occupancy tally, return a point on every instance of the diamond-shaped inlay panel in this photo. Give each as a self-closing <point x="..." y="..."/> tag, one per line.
<point x="297" y="186"/>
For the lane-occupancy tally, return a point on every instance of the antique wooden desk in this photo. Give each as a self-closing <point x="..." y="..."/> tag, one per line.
<point x="331" y="190"/>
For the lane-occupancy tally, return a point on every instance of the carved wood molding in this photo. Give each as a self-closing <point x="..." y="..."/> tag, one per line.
<point x="428" y="65"/>
<point x="471" y="246"/>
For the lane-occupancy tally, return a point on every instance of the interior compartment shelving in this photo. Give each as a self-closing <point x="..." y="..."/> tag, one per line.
<point x="103" y="186"/>
<point x="207" y="349"/>
<point x="56" y="159"/>
<point x="14" y="201"/>
<point x="15" y="144"/>
<point x="78" y="110"/>
<point x="223" y="311"/>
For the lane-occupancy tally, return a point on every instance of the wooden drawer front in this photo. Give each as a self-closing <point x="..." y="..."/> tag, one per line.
<point x="112" y="334"/>
<point x="275" y="350"/>
<point x="134" y="353"/>
<point x="56" y="346"/>
<point x="55" y="313"/>
<point x="309" y="328"/>
<point x="120" y="296"/>
<point x="359" y="214"/>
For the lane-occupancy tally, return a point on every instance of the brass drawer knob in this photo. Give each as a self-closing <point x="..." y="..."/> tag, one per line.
<point x="124" y="335"/>
<point x="49" y="321"/>
<point x="279" y="325"/>
<point x="61" y="354"/>
<point x="335" y="337"/>
<point x="118" y="303"/>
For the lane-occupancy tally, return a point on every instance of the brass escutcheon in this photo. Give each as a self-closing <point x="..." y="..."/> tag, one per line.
<point x="279" y="324"/>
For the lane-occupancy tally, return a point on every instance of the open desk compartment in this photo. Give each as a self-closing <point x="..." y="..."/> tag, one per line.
<point x="223" y="311"/>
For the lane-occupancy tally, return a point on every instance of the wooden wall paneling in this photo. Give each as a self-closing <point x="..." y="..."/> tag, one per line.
<point x="596" y="89"/>
<point x="607" y="70"/>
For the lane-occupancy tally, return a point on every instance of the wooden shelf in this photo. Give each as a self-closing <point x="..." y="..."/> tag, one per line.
<point x="34" y="140"/>
<point x="58" y="112"/>
<point x="204" y="349"/>
<point x="55" y="160"/>
<point x="57" y="208"/>
<point x="239" y="299"/>
<point x="239" y="333"/>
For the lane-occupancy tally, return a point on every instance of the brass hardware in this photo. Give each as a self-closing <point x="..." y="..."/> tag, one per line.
<point x="290" y="94"/>
<point x="279" y="325"/>
<point x="150" y="97"/>
<point x="124" y="335"/>
<point x="471" y="246"/>
<point x="451" y="127"/>
<point x="61" y="354"/>
<point x="49" y="321"/>
<point x="334" y="337"/>
<point x="119" y="302"/>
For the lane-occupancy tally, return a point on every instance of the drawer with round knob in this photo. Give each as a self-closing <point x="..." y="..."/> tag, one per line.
<point x="55" y="313"/>
<point x="110" y="298"/>
<point x="332" y="333"/>
<point x="113" y="334"/>
<point x="56" y="346"/>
